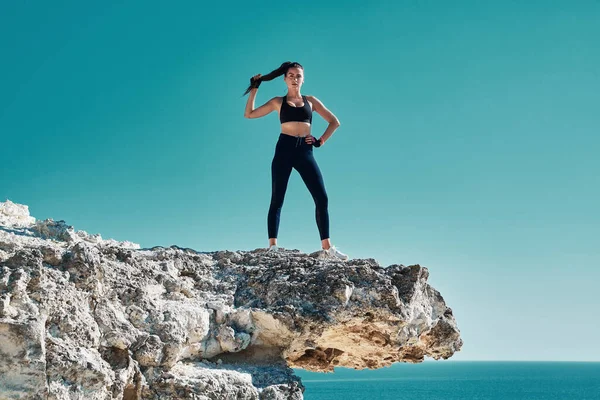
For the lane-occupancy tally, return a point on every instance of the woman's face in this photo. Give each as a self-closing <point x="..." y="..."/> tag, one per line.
<point x="294" y="78"/>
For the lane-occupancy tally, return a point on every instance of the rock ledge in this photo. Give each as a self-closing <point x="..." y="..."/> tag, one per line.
<point x="87" y="318"/>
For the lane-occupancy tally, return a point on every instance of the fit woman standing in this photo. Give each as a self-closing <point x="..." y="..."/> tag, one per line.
<point x="295" y="148"/>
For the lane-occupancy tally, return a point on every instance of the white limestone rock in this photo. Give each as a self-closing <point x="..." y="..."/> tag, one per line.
<point x="14" y="215"/>
<point x="82" y="317"/>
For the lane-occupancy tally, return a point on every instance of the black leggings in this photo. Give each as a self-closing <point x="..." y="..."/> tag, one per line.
<point x="294" y="152"/>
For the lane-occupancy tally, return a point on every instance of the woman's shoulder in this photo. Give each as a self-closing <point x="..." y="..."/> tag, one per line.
<point x="276" y="99"/>
<point x="313" y="98"/>
<point x="310" y="98"/>
<point x="276" y="102"/>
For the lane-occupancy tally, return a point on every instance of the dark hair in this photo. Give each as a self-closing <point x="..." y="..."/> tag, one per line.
<point x="282" y="70"/>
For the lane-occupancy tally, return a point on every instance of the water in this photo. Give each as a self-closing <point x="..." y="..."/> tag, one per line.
<point x="454" y="380"/>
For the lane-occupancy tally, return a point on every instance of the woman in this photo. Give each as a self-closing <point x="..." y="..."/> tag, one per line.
<point x="295" y="148"/>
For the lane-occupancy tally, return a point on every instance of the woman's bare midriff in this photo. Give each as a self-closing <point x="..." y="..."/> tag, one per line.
<point x="296" y="129"/>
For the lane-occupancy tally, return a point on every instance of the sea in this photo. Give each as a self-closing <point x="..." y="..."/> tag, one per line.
<point x="457" y="380"/>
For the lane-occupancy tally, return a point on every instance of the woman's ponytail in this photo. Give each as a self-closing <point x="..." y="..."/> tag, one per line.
<point x="283" y="68"/>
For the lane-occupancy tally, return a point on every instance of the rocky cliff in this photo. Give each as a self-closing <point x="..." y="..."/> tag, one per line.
<point x="87" y="318"/>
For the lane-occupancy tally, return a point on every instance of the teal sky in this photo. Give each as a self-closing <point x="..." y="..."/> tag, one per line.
<point x="468" y="142"/>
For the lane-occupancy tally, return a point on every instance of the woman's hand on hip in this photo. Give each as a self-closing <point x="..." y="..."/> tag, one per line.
<point x="310" y="139"/>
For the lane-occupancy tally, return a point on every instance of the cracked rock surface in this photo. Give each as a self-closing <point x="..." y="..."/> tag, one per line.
<point x="86" y="318"/>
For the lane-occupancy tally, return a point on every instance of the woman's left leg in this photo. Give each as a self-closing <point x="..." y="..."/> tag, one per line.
<point x="309" y="171"/>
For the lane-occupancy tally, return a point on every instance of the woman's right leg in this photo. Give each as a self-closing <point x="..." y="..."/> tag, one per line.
<point x="281" y="169"/>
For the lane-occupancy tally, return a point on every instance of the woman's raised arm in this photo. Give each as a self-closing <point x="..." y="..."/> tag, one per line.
<point x="251" y="112"/>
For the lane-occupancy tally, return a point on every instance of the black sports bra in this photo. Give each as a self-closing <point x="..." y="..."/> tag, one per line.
<point x="299" y="114"/>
